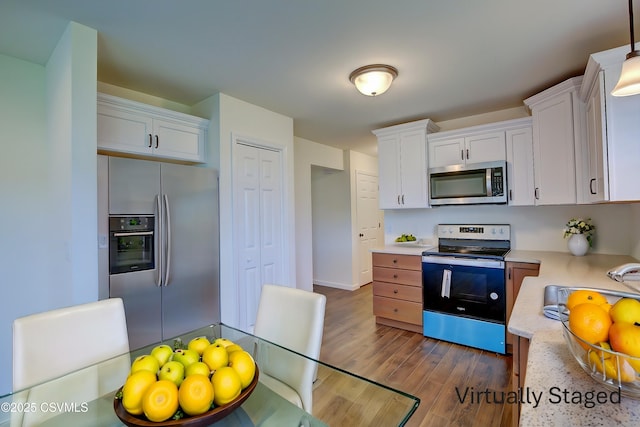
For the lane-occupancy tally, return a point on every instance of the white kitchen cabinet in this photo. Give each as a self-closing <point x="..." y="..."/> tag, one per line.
<point x="402" y="165"/>
<point x="595" y="183"/>
<point x="520" y="171"/>
<point x="612" y="150"/>
<point x="461" y="150"/>
<point x="141" y="130"/>
<point x="557" y="127"/>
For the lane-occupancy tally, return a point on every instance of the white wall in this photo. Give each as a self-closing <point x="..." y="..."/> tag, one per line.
<point x="532" y="227"/>
<point x="309" y="156"/>
<point x="229" y="117"/>
<point x="47" y="220"/>
<point x="334" y="222"/>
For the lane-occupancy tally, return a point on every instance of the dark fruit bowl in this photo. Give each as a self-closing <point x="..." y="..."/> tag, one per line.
<point x="201" y="420"/>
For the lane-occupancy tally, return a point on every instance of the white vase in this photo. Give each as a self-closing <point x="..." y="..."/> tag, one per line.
<point x="578" y="244"/>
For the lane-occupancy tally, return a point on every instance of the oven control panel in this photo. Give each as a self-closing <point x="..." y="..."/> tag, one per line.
<point x="474" y="231"/>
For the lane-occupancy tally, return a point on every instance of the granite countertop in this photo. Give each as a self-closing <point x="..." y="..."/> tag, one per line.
<point x="560" y="384"/>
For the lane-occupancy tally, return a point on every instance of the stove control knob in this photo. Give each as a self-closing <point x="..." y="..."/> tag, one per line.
<point x="493" y="296"/>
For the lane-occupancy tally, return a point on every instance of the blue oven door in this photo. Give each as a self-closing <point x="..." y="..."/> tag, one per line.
<point x="465" y="301"/>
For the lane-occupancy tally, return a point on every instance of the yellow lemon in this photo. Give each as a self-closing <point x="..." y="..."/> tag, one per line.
<point x="215" y="356"/>
<point x="160" y="401"/>
<point x="233" y="347"/>
<point x="134" y="389"/>
<point x="145" y="362"/>
<point x="195" y="394"/>
<point x="226" y="385"/>
<point x="244" y="365"/>
<point x="225" y="342"/>
<point x="198" y="344"/>
<point x="605" y="363"/>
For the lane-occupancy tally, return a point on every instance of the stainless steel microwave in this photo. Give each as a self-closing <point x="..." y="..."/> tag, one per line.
<point x="468" y="185"/>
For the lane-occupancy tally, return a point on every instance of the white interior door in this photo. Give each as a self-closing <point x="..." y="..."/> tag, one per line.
<point x="258" y="229"/>
<point x="368" y="221"/>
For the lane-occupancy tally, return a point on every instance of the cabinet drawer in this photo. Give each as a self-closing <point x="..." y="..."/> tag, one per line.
<point x="403" y="292"/>
<point x="407" y="262"/>
<point x="395" y="275"/>
<point x="403" y="311"/>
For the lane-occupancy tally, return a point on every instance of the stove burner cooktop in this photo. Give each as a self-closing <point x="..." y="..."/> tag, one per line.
<point x="473" y="241"/>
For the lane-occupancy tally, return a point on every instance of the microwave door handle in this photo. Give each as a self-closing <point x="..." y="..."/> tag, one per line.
<point x="488" y="181"/>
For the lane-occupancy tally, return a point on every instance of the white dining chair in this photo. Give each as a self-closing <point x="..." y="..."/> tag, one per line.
<point x="292" y="318"/>
<point x="64" y="345"/>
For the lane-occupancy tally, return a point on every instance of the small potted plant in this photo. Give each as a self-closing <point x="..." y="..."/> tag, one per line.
<point x="580" y="234"/>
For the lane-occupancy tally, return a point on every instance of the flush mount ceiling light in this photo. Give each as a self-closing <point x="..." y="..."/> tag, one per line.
<point x="629" y="82"/>
<point x="372" y="80"/>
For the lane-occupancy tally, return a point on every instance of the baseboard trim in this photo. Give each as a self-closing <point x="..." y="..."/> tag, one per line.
<point x="346" y="287"/>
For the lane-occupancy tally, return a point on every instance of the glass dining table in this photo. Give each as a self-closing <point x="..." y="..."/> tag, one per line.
<point x="86" y="397"/>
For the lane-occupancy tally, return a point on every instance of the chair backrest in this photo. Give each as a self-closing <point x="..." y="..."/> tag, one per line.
<point x="54" y="343"/>
<point x="292" y="318"/>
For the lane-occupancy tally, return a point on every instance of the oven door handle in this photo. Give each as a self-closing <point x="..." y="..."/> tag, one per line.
<point x="471" y="262"/>
<point x="133" y="233"/>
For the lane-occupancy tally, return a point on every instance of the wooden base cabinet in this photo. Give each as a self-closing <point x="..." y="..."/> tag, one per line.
<point x="518" y="346"/>
<point x="397" y="290"/>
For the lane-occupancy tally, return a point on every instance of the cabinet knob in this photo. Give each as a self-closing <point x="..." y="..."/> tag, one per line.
<point x="395" y="261"/>
<point x="395" y="310"/>
<point x="395" y="291"/>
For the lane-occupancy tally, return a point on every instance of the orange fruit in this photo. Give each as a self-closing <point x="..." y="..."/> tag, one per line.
<point x="160" y="401"/>
<point x="590" y="322"/>
<point x="195" y="394"/>
<point x="585" y="296"/>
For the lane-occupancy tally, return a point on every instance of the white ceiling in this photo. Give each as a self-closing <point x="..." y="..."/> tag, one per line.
<point x="456" y="58"/>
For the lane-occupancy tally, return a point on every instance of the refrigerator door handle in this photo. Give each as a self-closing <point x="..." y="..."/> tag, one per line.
<point x="160" y="241"/>
<point x="167" y="229"/>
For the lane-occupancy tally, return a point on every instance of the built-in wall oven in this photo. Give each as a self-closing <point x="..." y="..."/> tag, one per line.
<point x="131" y="244"/>
<point x="464" y="286"/>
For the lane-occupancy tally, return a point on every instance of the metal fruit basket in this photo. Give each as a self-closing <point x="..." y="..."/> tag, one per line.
<point x="615" y="371"/>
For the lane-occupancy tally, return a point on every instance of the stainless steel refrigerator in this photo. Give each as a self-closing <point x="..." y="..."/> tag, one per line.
<point x="181" y="292"/>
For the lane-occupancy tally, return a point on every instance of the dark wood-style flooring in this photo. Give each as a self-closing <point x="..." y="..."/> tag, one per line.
<point x="430" y="369"/>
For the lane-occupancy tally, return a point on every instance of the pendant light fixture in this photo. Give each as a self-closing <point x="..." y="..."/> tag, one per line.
<point x="373" y="80"/>
<point x="629" y="82"/>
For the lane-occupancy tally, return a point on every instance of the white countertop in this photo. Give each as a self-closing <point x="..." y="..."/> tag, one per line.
<point x="551" y="370"/>
<point x="403" y="248"/>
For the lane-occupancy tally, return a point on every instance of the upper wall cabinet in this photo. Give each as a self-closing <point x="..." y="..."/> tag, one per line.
<point x="470" y="145"/>
<point x="557" y="127"/>
<point x="402" y="165"/>
<point x="612" y="146"/>
<point x="520" y="170"/>
<point x="141" y="130"/>
<point x="508" y="140"/>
